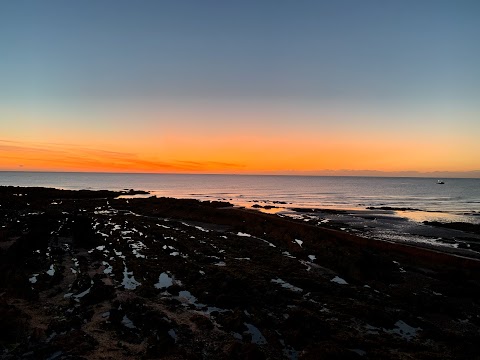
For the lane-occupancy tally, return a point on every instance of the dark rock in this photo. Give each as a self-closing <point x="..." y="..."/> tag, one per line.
<point x="232" y="321"/>
<point x="75" y="342"/>
<point x="240" y="351"/>
<point x="473" y="228"/>
<point x="14" y="324"/>
<point x="83" y="233"/>
<point x="202" y="322"/>
<point x="304" y="327"/>
<point x="99" y="292"/>
<point x="328" y="351"/>
<point x="159" y="344"/>
<point x="389" y="208"/>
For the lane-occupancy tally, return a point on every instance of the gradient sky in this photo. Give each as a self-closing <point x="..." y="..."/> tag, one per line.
<point x="240" y="86"/>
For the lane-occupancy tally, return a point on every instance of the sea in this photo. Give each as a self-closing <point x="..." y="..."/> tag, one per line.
<point x="455" y="200"/>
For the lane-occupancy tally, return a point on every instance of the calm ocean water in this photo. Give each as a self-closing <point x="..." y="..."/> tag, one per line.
<point x="456" y="196"/>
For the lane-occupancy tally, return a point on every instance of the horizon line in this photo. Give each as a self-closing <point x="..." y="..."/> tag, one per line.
<point x="320" y="173"/>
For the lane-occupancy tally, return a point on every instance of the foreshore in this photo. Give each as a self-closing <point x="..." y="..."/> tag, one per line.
<point x="89" y="275"/>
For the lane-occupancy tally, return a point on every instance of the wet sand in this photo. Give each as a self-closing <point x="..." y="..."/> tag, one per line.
<point x="88" y="275"/>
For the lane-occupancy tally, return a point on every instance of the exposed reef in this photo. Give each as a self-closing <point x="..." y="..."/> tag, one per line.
<point x="89" y="275"/>
<point x="463" y="226"/>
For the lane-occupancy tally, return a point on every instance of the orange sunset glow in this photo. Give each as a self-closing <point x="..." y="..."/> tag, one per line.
<point x="236" y="150"/>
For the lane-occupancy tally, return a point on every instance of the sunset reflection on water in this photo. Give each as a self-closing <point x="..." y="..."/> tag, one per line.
<point x="420" y="216"/>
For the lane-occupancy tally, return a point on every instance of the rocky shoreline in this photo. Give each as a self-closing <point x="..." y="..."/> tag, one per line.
<point x="88" y="275"/>
<point x="393" y="225"/>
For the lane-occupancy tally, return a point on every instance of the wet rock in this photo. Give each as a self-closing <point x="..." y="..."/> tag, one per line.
<point x="240" y="351"/>
<point x="233" y="321"/>
<point x="304" y="327"/>
<point x="83" y="233"/>
<point x="155" y="321"/>
<point x="147" y="292"/>
<point x="115" y="316"/>
<point x="473" y="228"/>
<point x="328" y="351"/>
<point x="266" y="207"/>
<point x="238" y="313"/>
<point x="135" y="192"/>
<point x="75" y="342"/>
<point x="159" y="345"/>
<point x="14" y="324"/>
<point x="99" y="292"/>
<point x="202" y="322"/>
<point x="82" y="283"/>
<point x="372" y="267"/>
<point x="70" y="321"/>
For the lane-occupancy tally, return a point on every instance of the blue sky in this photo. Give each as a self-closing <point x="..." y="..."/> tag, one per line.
<point x="297" y="50"/>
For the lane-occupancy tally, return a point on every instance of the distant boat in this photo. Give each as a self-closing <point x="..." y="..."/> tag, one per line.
<point x="440" y="182"/>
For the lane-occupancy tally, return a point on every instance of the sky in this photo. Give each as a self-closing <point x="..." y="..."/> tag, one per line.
<point x="282" y="87"/>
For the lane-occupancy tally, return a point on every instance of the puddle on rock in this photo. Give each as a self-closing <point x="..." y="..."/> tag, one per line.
<point x="243" y="234"/>
<point x="173" y="334"/>
<point x="289" y="351"/>
<point x="128" y="323"/>
<point x="339" y="281"/>
<point x="51" y="271"/>
<point x="164" y="281"/>
<point x="187" y="296"/>
<point x="108" y="268"/>
<point x="129" y="281"/>
<point x="257" y="337"/>
<point x="404" y="330"/>
<point x="286" y="285"/>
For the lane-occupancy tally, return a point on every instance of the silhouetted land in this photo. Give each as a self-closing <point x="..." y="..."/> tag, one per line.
<point x="85" y="275"/>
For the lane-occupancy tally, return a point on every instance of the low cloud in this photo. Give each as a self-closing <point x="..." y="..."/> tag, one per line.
<point x="54" y="156"/>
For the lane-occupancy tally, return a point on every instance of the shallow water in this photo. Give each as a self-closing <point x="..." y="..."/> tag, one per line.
<point x="456" y="200"/>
